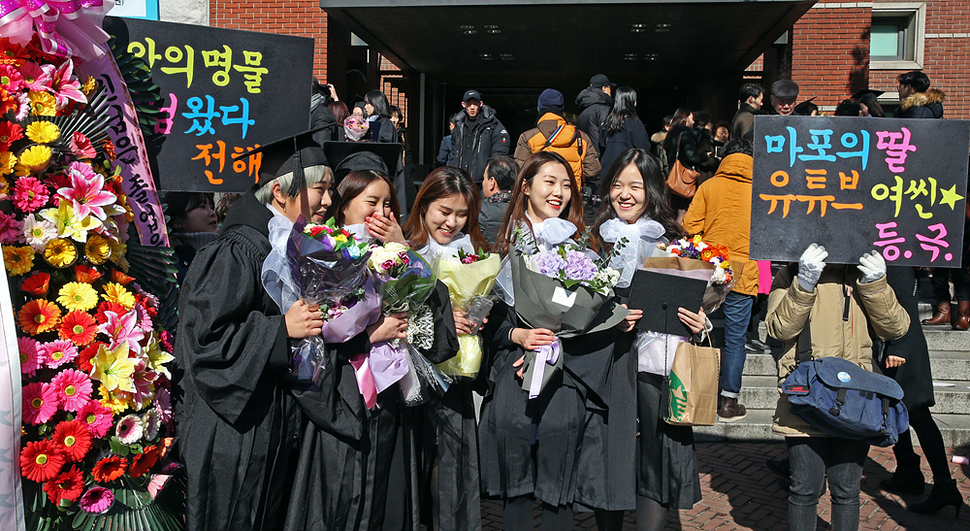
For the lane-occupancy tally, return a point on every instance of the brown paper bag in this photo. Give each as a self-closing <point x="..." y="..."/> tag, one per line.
<point x="693" y="386"/>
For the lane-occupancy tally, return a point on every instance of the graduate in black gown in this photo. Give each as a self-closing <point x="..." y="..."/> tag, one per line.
<point x="238" y="423"/>
<point x="357" y="467"/>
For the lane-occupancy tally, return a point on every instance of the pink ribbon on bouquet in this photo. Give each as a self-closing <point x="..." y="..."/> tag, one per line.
<point x="547" y="354"/>
<point x="66" y="27"/>
<point x="365" y="380"/>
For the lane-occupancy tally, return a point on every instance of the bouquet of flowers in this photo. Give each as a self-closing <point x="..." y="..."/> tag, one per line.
<point x="561" y="285"/>
<point x="355" y="128"/>
<point x="722" y="274"/>
<point x="94" y="361"/>
<point x="470" y="277"/>
<point x="406" y="280"/>
<point x="326" y="265"/>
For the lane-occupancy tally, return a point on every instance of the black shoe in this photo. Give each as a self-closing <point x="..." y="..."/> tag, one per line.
<point x="757" y="343"/>
<point x="751" y="347"/>
<point x="780" y="468"/>
<point x="944" y="493"/>
<point x="904" y="481"/>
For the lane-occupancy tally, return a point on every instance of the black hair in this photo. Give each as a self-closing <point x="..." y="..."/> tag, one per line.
<point x="916" y="79"/>
<point x="178" y="204"/>
<point x="655" y="189"/>
<point x="378" y="100"/>
<point x="848" y="108"/>
<point x="702" y="118"/>
<point x="624" y="107"/>
<point x="872" y="104"/>
<point x="666" y="121"/>
<point x="503" y="169"/>
<point x="750" y="90"/>
<point x="738" y="145"/>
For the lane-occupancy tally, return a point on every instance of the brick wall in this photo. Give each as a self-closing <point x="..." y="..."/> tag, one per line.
<point x="302" y="18"/>
<point x="946" y="56"/>
<point x="830" y="52"/>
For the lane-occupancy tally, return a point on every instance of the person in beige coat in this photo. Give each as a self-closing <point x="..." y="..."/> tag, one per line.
<point x="836" y="304"/>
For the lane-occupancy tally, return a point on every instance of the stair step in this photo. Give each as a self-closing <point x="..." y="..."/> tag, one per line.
<point x="757" y="426"/>
<point x="761" y="392"/>
<point x="942" y="337"/>
<point x="951" y="365"/>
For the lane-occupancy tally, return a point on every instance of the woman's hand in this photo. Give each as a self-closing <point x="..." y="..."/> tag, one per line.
<point x="630" y="321"/>
<point x="394" y="326"/>
<point x="463" y="325"/>
<point x="532" y="339"/>
<point x="518" y="363"/>
<point x="894" y="361"/>
<point x="385" y="229"/>
<point x="697" y="322"/>
<point x="303" y="320"/>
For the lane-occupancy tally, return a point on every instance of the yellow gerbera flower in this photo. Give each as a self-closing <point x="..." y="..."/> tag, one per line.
<point x="114" y="292"/>
<point x="18" y="260"/>
<point x="113" y="368"/>
<point x="7" y="162"/>
<point x="118" y="250"/>
<point x="43" y="132"/>
<point x="97" y="250"/>
<point x="35" y="158"/>
<point x="60" y="252"/>
<point x="117" y="402"/>
<point x="77" y="296"/>
<point x="42" y="103"/>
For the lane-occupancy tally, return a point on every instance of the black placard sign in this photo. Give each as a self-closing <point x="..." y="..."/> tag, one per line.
<point x="224" y="92"/>
<point x="856" y="184"/>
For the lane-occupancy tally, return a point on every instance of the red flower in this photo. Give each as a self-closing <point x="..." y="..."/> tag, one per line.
<point x="10" y="132"/>
<point x="109" y="469"/>
<point x="74" y="438"/>
<point x="109" y="150"/>
<point x="68" y="485"/>
<point x="109" y="307"/>
<point x="85" y="274"/>
<point x="78" y="327"/>
<point x="38" y="316"/>
<point x="83" y="360"/>
<point x="41" y="460"/>
<point x="142" y="462"/>
<point x="121" y="278"/>
<point x="58" y="181"/>
<point x="37" y="284"/>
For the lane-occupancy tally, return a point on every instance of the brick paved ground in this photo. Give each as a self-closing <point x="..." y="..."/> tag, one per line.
<point x="740" y="493"/>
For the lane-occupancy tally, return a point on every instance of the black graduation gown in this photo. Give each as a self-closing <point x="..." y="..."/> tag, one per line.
<point x="914" y="376"/>
<point x="510" y="464"/>
<point x="358" y="468"/>
<point x="238" y="423"/>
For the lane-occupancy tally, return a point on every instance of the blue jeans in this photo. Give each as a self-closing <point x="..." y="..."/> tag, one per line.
<point x="737" y="315"/>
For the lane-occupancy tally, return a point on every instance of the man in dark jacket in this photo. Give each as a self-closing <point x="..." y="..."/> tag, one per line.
<point x="751" y="96"/>
<point x="595" y="103"/>
<point x="916" y="98"/>
<point x="496" y="191"/>
<point x="477" y="136"/>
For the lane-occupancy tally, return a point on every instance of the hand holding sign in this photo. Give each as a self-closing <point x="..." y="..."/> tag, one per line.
<point x="872" y="266"/>
<point x="810" y="266"/>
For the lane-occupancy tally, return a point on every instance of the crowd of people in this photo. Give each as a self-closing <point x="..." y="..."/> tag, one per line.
<point x="263" y="451"/>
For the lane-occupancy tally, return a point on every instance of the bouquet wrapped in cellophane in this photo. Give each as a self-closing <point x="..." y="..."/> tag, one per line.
<point x="325" y="265"/>
<point x="470" y="277"/>
<point x="723" y="275"/>
<point x="405" y="281"/>
<point x="561" y="285"/>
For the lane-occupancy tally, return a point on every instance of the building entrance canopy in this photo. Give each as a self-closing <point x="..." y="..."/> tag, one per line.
<point x="537" y="42"/>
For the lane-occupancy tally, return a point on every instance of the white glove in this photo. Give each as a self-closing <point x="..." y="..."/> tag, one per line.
<point x="872" y="266"/>
<point x="810" y="266"/>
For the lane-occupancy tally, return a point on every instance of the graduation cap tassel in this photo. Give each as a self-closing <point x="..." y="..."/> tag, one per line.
<point x="299" y="180"/>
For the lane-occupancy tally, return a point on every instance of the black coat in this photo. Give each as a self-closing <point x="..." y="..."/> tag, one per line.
<point x="473" y="142"/>
<point x="914" y="376"/>
<point x="492" y="214"/>
<point x="690" y="154"/>
<point x="594" y="106"/>
<point x="743" y="120"/>
<point x="632" y="134"/>
<point x="238" y="424"/>
<point x="383" y="131"/>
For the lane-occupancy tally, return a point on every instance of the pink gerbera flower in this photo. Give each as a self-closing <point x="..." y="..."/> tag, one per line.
<point x="81" y="146"/>
<point x="29" y="194"/>
<point x="73" y="389"/>
<point x="144" y="319"/>
<point x="163" y="403"/>
<point x="9" y="229"/>
<point x="10" y="78"/>
<point x="40" y="402"/>
<point x="66" y="85"/>
<point x="129" y="429"/>
<point x="97" y="500"/>
<point x="86" y="193"/>
<point x="35" y="77"/>
<point x="57" y="353"/>
<point x="30" y="358"/>
<point x="96" y="417"/>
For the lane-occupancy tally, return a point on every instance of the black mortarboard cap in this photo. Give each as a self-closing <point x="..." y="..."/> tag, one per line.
<point x="858" y="95"/>
<point x="288" y="155"/>
<point x="806" y="107"/>
<point x="357" y="156"/>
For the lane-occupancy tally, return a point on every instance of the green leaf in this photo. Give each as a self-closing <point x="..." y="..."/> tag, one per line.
<point x="115" y="445"/>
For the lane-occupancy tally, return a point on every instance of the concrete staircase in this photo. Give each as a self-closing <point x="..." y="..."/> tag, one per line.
<point x="949" y="361"/>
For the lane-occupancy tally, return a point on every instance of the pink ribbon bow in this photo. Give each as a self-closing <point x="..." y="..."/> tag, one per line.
<point x="66" y="27"/>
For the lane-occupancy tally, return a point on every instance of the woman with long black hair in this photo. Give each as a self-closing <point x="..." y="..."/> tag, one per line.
<point x="623" y="129"/>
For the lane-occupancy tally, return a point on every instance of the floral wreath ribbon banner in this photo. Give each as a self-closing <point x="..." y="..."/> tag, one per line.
<point x="67" y="29"/>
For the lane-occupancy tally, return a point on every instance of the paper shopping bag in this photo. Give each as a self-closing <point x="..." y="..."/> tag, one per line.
<point x="693" y="386"/>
